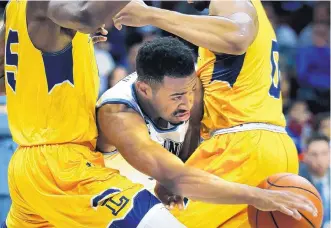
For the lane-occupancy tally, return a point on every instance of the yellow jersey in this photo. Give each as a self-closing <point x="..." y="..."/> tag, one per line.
<point x="51" y="96"/>
<point x="242" y="88"/>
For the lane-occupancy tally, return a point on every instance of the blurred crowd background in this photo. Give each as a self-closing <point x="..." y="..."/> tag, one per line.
<point x="303" y="34"/>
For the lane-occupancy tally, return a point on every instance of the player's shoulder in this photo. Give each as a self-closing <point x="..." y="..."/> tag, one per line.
<point x="116" y="109"/>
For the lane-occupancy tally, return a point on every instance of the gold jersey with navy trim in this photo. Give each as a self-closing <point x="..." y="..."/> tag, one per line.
<point x="243" y="125"/>
<point x="51" y="96"/>
<point x="244" y="88"/>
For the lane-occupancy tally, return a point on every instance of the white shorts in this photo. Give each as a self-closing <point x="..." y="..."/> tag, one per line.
<point x="115" y="160"/>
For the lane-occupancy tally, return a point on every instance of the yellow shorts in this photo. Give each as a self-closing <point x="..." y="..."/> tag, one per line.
<point x="69" y="186"/>
<point x="243" y="157"/>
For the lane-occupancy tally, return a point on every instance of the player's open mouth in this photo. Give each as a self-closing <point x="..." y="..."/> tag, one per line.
<point x="183" y="116"/>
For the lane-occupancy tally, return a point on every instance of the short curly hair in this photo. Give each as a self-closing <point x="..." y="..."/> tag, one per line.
<point x="162" y="57"/>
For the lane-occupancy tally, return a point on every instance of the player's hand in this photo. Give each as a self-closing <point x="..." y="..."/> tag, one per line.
<point x="168" y="198"/>
<point x="100" y="38"/>
<point x="285" y="202"/>
<point x="135" y="14"/>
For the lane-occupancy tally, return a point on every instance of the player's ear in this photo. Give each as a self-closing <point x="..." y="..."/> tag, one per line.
<point x="144" y="88"/>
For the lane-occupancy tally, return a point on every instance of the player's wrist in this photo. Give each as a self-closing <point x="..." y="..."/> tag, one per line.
<point x="155" y="16"/>
<point x="251" y="195"/>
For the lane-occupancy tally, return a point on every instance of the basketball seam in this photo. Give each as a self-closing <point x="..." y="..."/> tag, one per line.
<point x="307" y="219"/>
<point x="273" y="219"/>
<point x="279" y="186"/>
<point x="257" y="211"/>
<point x="268" y="180"/>
<point x="256" y="219"/>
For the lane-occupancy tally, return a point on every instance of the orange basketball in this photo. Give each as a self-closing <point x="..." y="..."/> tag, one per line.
<point x="293" y="183"/>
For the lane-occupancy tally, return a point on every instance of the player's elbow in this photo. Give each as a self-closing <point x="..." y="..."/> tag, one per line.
<point x="241" y="37"/>
<point x="238" y="45"/>
<point x="235" y="44"/>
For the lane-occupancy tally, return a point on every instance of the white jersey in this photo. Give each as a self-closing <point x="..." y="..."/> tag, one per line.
<point x="171" y="138"/>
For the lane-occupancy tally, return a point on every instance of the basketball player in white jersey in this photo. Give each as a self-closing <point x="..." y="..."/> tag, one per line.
<point x="145" y="115"/>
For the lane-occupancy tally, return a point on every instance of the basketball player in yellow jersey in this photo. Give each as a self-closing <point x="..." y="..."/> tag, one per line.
<point x="243" y="125"/>
<point x="55" y="177"/>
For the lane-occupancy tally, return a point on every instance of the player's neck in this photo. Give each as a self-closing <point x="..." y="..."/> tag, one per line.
<point x="147" y="107"/>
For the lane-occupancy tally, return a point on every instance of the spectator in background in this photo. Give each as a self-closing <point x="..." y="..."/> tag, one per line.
<point x="316" y="169"/>
<point x="321" y="14"/>
<point x="286" y="37"/>
<point x="7" y="148"/>
<point x="285" y="89"/>
<point x="117" y="49"/>
<point x="299" y="123"/>
<point x="105" y="63"/>
<point x="116" y="75"/>
<point x="322" y="124"/>
<point x="148" y="32"/>
<point x="313" y="69"/>
<point x="133" y="43"/>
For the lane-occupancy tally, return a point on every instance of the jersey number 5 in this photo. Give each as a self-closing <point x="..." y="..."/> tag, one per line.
<point x="274" y="90"/>
<point x="11" y="58"/>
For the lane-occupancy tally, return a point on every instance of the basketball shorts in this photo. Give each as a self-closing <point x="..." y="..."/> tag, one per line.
<point x="69" y="186"/>
<point x="246" y="157"/>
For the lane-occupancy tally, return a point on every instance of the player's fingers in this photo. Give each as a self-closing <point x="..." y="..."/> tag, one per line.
<point x="117" y="24"/>
<point x="310" y="206"/>
<point x="98" y="39"/>
<point x="301" y="203"/>
<point x="170" y="200"/>
<point x="179" y="202"/>
<point x="296" y="214"/>
<point x="305" y="207"/>
<point x="285" y="210"/>
<point x="103" y="31"/>
<point x="172" y="205"/>
<point x="123" y="20"/>
<point x="180" y="205"/>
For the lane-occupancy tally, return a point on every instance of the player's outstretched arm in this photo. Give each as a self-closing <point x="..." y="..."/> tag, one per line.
<point x="83" y="16"/>
<point x="231" y="30"/>
<point x="127" y="131"/>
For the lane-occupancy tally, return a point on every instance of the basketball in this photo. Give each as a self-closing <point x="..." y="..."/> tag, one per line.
<point x="275" y="219"/>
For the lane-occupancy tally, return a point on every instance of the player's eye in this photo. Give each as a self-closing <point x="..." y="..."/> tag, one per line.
<point x="176" y="98"/>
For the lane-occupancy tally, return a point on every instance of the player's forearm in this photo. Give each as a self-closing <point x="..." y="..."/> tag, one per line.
<point x="199" y="185"/>
<point x="190" y="182"/>
<point x="84" y="16"/>
<point x="218" y="34"/>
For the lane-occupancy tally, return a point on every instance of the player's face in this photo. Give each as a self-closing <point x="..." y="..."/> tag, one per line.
<point x="173" y="99"/>
<point x="199" y="5"/>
